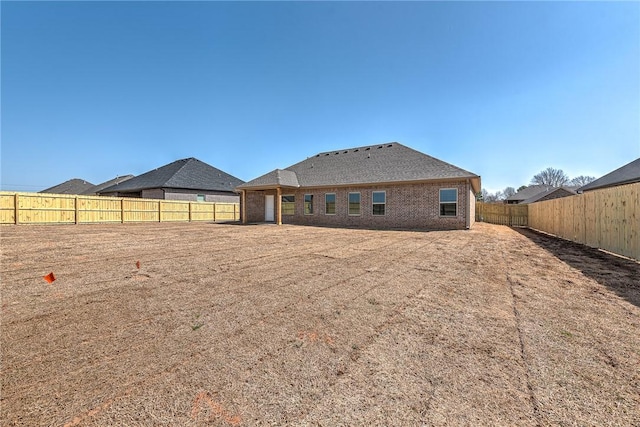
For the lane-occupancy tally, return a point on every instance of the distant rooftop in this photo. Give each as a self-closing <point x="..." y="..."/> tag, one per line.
<point x="72" y="186"/>
<point x="190" y="174"/>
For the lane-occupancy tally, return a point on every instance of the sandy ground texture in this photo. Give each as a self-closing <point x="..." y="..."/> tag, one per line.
<point x="230" y="325"/>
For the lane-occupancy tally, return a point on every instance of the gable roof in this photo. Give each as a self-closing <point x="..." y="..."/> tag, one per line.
<point x="190" y="174"/>
<point x="528" y="192"/>
<point x="550" y="193"/>
<point x="375" y="164"/>
<point x="626" y="174"/>
<point x="72" y="186"/>
<point x="97" y="188"/>
<point x="534" y="193"/>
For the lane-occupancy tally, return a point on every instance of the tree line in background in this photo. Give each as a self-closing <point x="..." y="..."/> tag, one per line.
<point x="550" y="176"/>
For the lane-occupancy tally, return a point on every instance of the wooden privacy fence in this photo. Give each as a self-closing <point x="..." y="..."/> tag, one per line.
<point x="502" y="214"/>
<point x="608" y="219"/>
<point x="38" y="208"/>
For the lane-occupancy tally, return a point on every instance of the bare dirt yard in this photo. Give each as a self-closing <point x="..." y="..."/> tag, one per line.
<point x="230" y="325"/>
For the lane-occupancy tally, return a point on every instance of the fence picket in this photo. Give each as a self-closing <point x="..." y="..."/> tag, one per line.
<point x="40" y="208"/>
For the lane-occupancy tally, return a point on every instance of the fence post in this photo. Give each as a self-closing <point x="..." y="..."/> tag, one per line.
<point x="214" y="211"/>
<point x="235" y="213"/>
<point x="159" y="210"/>
<point x="75" y="204"/>
<point x="189" y="211"/>
<point x="16" y="208"/>
<point x="122" y="210"/>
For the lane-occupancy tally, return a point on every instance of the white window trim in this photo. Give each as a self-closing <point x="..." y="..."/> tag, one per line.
<point x="441" y="202"/>
<point x="385" y="202"/>
<point x="335" y="202"/>
<point x="359" y="203"/>
<point x="304" y="204"/>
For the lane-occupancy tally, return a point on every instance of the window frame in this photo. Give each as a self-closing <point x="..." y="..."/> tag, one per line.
<point x="310" y="204"/>
<point x="326" y="205"/>
<point x="441" y="203"/>
<point x="359" y="203"/>
<point x="292" y="203"/>
<point x="201" y="198"/>
<point x="374" y="204"/>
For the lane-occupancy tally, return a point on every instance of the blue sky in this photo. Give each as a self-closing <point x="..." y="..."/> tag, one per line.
<point x="503" y="89"/>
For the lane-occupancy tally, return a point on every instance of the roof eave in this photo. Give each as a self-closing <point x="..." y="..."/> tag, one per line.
<point x="614" y="184"/>
<point x="263" y="187"/>
<point x="475" y="184"/>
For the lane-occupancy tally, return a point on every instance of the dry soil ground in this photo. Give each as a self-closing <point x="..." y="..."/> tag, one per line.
<point x="263" y="325"/>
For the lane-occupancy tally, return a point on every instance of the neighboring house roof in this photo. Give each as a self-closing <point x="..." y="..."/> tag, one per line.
<point x="551" y="193"/>
<point x="188" y="174"/>
<point x="375" y="164"/>
<point x="536" y="193"/>
<point x="72" y="186"/>
<point x="528" y="192"/>
<point x="626" y="174"/>
<point x="97" y="188"/>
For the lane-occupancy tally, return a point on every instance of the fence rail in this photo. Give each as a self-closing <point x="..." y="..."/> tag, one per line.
<point x="608" y="219"/>
<point x="38" y="208"/>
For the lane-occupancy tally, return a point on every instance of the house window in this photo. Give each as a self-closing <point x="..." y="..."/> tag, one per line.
<point x="330" y="204"/>
<point x="379" y="202"/>
<point x="448" y="202"/>
<point x="308" y="204"/>
<point x="354" y="203"/>
<point x="288" y="204"/>
<point x="200" y="198"/>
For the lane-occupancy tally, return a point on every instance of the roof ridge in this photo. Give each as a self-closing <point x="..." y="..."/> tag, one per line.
<point x="186" y="162"/>
<point x="363" y="147"/>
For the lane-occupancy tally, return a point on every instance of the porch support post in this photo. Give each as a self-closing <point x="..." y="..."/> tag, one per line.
<point x="278" y="206"/>
<point x="243" y="201"/>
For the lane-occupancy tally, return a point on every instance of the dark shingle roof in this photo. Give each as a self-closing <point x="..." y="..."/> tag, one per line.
<point x="626" y="174"/>
<point x="551" y="193"/>
<point x="527" y="192"/>
<point x="381" y="163"/>
<point x="533" y="193"/>
<point x="276" y="178"/>
<point x="73" y="186"/>
<point x="188" y="173"/>
<point x="97" y="188"/>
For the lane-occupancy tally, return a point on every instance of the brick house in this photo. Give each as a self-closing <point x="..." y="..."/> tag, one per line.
<point x="186" y="179"/>
<point x="379" y="186"/>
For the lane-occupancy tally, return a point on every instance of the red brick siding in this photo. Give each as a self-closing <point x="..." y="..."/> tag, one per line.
<point x="255" y="205"/>
<point x="409" y="206"/>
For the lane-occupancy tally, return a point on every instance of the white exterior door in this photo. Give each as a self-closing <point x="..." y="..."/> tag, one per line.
<point x="269" y="204"/>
